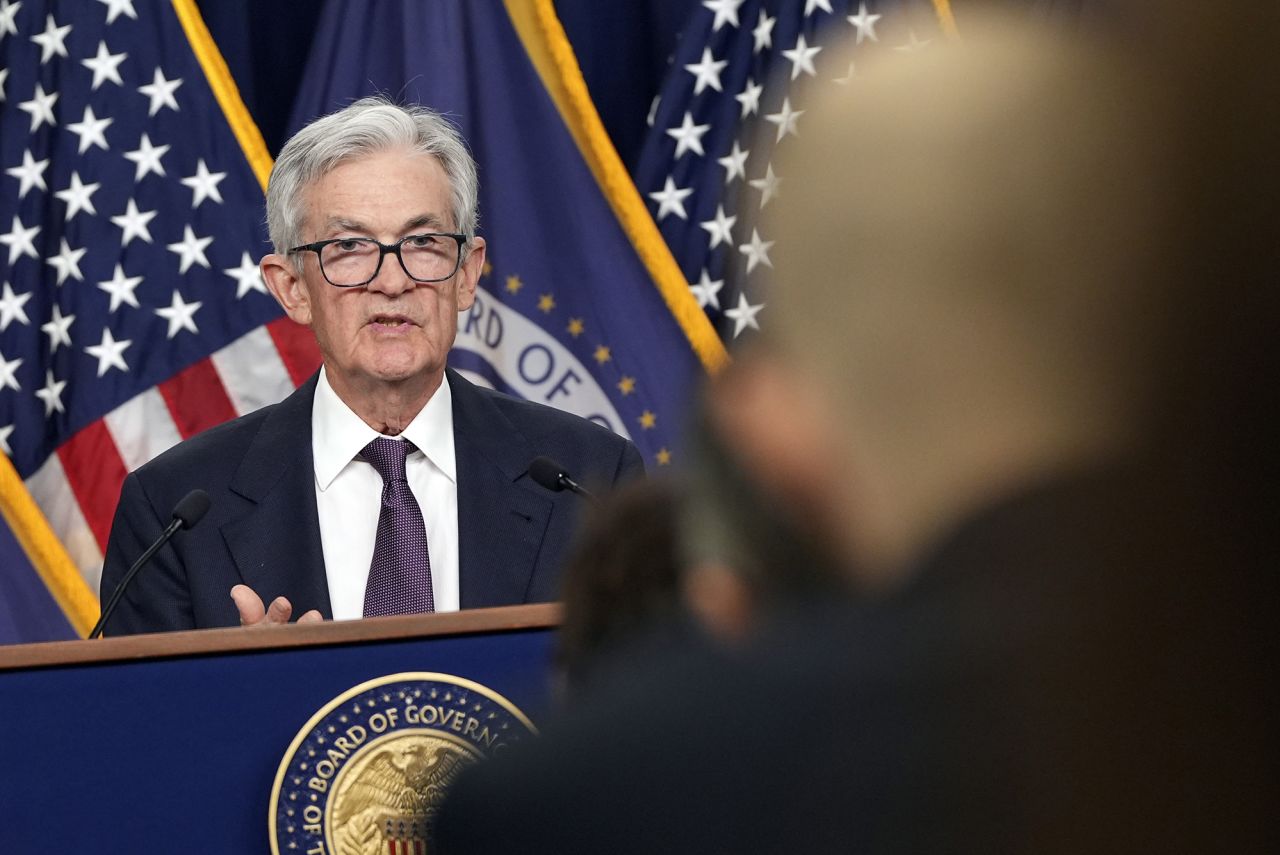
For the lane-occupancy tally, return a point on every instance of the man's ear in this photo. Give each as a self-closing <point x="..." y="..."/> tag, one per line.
<point x="469" y="275"/>
<point x="287" y="286"/>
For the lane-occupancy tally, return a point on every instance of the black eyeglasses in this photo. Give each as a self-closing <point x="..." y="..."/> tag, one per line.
<point x="353" y="262"/>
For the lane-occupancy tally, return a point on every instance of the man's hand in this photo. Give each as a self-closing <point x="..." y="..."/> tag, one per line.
<point x="252" y="612"/>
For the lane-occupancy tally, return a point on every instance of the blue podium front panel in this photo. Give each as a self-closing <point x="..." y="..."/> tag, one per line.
<point x="181" y="754"/>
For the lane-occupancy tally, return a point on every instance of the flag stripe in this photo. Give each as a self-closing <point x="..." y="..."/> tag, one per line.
<point x="47" y="554"/>
<point x="51" y="491"/>
<point x="297" y="347"/>
<point x="141" y="428"/>
<point x="95" y="472"/>
<point x="548" y="46"/>
<point x="252" y="372"/>
<point x="196" y="399"/>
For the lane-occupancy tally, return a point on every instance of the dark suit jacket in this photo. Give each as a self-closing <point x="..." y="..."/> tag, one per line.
<point x="1072" y="671"/>
<point x="263" y="529"/>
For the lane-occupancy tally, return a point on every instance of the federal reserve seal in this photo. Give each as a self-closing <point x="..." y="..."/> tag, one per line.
<point x="367" y="772"/>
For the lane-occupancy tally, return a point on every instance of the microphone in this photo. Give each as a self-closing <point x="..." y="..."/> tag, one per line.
<point x="189" y="511"/>
<point x="551" y="475"/>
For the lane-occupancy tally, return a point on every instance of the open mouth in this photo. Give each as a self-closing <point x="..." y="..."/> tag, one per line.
<point x="390" y="320"/>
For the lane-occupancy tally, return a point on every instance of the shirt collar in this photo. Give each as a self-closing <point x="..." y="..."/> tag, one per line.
<point x="338" y="434"/>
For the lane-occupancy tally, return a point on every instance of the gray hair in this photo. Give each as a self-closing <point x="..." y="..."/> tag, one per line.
<point x="365" y="127"/>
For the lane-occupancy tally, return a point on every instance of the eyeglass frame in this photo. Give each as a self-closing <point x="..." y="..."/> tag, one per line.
<point x="383" y="249"/>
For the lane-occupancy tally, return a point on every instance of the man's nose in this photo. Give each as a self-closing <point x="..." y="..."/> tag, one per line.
<point x="392" y="278"/>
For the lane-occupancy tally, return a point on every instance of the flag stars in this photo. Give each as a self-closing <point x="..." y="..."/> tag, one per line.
<point x="12" y="307"/>
<point x="720" y="228"/>
<point x="865" y="24"/>
<point x="706" y="72"/>
<point x="133" y="223"/>
<point x="785" y="119"/>
<point x="160" y="91"/>
<point x="4" y="76"/>
<point x="546" y="303"/>
<point x="757" y="252"/>
<point x="190" y="250"/>
<point x="734" y="163"/>
<point x="51" y="394"/>
<point x="8" y="375"/>
<point x="67" y="263"/>
<point x="91" y="130"/>
<point x="109" y="352"/>
<point x="743" y="315"/>
<point x="20" y="240"/>
<point x="40" y="107"/>
<point x="749" y="98"/>
<point x="811" y="5"/>
<point x="688" y="136"/>
<point x="663" y="457"/>
<point x="29" y="174"/>
<point x="8" y="10"/>
<point x="576" y="327"/>
<point x="5" y="433"/>
<point x="247" y="275"/>
<point x="913" y="44"/>
<point x="707" y="291"/>
<point x="849" y="76"/>
<point x="105" y="66"/>
<point x="79" y="197"/>
<point x="58" y="329"/>
<point x="768" y="185"/>
<point x="180" y="315"/>
<point x="147" y="158"/>
<point x="726" y="12"/>
<point x="801" y="57"/>
<point x="117" y="7"/>
<point x="602" y="354"/>
<point x="670" y="200"/>
<point x="627" y="385"/>
<point x="648" y="421"/>
<point x="514" y="284"/>
<point x="121" y="289"/>
<point x="763" y="33"/>
<point x="204" y="184"/>
<point x="52" y="41"/>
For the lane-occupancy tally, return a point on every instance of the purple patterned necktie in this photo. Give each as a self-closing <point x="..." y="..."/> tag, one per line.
<point x="400" y="574"/>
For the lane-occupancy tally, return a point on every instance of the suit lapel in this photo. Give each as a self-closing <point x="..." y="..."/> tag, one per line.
<point x="276" y="544"/>
<point x="501" y="524"/>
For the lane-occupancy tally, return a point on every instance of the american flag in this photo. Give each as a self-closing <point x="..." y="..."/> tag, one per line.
<point x="132" y="313"/>
<point x="728" y="105"/>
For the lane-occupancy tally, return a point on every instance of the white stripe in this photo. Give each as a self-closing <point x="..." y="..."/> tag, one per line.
<point x="52" y="492"/>
<point x="253" y="372"/>
<point x="142" y="428"/>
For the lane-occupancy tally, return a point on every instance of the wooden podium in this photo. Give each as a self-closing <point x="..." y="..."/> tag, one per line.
<point x="171" y="742"/>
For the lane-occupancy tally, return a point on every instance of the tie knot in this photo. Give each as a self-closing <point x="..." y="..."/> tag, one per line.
<point x="388" y="457"/>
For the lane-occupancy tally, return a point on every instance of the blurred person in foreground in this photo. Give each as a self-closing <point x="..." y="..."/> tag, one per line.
<point x="970" y="390"/>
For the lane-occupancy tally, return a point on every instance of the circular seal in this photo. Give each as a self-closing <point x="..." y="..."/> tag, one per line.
<point x="367" y="772"/>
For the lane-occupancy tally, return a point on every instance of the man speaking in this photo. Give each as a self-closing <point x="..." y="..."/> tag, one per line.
<point x="387" y="483"/>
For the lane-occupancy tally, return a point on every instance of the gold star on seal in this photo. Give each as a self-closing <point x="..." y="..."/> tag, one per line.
<point x="664" y="457"/>
<point x="602" y="354"/>
<point x="514" y="284"/>
<point x="648" y="419"/>
<point x="627" y="385"/>
<point x="576" y="327"/>
<point x="546" y="303"/>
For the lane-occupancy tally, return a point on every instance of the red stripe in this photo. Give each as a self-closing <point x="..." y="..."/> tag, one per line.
<point x="95" y="472"/>
<point x="297" y="348"/>
<point x="197" y="399"/>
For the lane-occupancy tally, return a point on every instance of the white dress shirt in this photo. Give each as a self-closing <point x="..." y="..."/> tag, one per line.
<point x="349" y="495"/>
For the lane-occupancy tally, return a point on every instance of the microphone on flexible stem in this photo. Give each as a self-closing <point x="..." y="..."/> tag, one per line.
<point x="189" y="511"/>
<point x="551" y="475"/>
